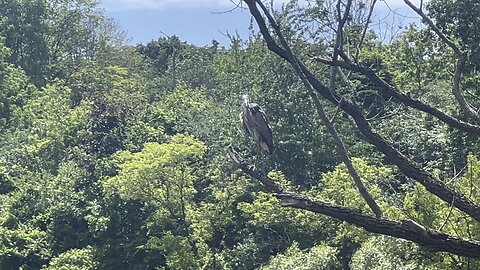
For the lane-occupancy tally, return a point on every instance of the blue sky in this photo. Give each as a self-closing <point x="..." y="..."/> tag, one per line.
<point x="195" y="21"/>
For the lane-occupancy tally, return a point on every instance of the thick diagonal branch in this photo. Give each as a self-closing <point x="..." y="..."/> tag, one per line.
<point x="408" y="167"/>
<point x="405" y="229"/>
<point x="340" y="147"/>
<point x="386" y="89"/>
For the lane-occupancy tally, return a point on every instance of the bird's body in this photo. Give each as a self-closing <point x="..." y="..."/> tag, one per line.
<point x="255" y="124"/>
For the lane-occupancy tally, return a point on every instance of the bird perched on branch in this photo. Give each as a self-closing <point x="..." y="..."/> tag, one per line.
<point x="255" y="124"/>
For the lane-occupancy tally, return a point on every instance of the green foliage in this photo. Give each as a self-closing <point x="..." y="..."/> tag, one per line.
<point x="44" y="214"/>
<point x="178" y="249"/>
<point x="25" y="247"/>
<point x="146" y="123"/>
<point x="318" y="257"/>
<point x="81" y="259"/>
<point x="459" y="20"/>
<point x="383" y="252"/>
<point x="113" y="156"/>
<point x="466" y="184"/>
<point x="92" y="80"/>
<point x="49" y="39"/>
<point x="177" y="61"/>
<point x="24" y="28"/>
<point x="184" y="106"/>
<point x="45" y="126"/>
<point x="435" y="213"/>
<point x="266" y="211"/>
<point x="337" y="186"/>
<point x="160" y="172"/>
<point x="15" y="89"/>
<point x="162" y="175"/>
<point x="417" y="60"/>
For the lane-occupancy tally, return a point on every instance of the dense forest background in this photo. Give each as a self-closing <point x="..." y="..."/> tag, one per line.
<point x="113" y="156"/>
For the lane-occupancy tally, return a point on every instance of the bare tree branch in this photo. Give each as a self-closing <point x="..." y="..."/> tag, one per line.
<point x="387" y="89"/>
<point x="408" y="167"/>
<point x="445" y="221"/>
<point x="467" y="108"/>
<point x="340" y="147"/>
<point x="338" y="39"/>
<point x="364" y="31"/>
<point x="405" y="229"/>
<point x="252" y="171"/>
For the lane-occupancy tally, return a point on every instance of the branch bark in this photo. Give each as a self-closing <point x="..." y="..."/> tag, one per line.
<point x="387" y="89"/>
<point x="408" y="167"/>
<point x="457" y="77"/>
<point x="405" y="229"/>
<point x="340" y="147"/>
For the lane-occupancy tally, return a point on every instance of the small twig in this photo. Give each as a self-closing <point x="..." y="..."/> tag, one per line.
<point x="236" y="6"/>
<point x="448" y="215"/>
<point x="337" y="111"/>
<point x="405" y="229"/>
<point x="456" y="175"/>
<point x="376" y="117"/>
<point x="364" y="31"/>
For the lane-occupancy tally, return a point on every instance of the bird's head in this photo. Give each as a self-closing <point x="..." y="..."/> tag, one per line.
<point x="246" y="100"/>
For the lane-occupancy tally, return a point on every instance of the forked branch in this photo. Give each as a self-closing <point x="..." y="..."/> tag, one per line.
<point x="389" y="90"/>
<point x="409" y="168"/>
<point x="340" y="147"/>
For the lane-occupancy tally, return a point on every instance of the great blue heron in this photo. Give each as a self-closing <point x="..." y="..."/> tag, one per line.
<point x="255" y="124"/>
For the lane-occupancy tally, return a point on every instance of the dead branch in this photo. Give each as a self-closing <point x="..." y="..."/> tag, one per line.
<point x="407" y="166"/>
<point x="387" y="89"/>
<point x="364" y="31"/>
<point x="457" y="77"/>
<point x="405" y="229"/>
<point x="340" y="147"/>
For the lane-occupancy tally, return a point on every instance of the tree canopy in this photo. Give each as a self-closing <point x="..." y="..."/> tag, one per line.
<point x="120" y="156"/>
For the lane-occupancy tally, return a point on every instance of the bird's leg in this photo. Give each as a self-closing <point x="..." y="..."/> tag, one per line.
<point x="264" y="163"/>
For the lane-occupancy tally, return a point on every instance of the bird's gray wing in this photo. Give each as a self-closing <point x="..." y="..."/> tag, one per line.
<point x="262" y="124"/>
<point x="244" y="121"/>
